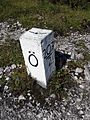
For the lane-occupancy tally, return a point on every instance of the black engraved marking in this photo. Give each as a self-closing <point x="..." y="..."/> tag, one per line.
<point x="29" y="58"/>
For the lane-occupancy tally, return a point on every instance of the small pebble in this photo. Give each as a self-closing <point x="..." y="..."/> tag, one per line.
<point x="81" y="86"/>
<point x="69" y="53"/>
<point x="75" y="77"/>
<point x="18" y="24"/>
<point x="13" y="66"/>
<point x="56" y="103"/>
<point x="78" y="100"/>
<point x="21" y="97"/>
<point x="9" y="94"/>
<point x="53" y="96"/>
<point x="47" y="99"/>
<point x="79" y="70"/>
<point x="0" y="98"/>
<point x="63" y="108"/>
<point x="33" y="101"/>
<point x="28" y="94"/>
<point x="66" y="66"/>
<point x="5" y="87"/>
<point x="81" y="112"/>
<point x="68" y="113"/>
<point x="30" y="98"/>
<point x="7" y="78"/>
<point x="76" y="73"/>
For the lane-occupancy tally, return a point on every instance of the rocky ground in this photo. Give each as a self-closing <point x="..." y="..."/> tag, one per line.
<point x="76" y="106"/>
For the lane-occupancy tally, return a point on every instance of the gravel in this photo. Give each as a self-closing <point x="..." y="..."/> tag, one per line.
<point x="77" y="104"/>
<point x="13" y="66"/>
<point x="10" y="30"/>
<point x="21" y="97"/>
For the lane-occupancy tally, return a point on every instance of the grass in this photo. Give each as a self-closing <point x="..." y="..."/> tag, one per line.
<point x="43" y="14"/>
<point x="10" y="52"/>
<point x="20" y="83"/>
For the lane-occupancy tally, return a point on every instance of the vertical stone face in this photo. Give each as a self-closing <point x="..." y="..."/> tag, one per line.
<point x="38" y="50"/>
<point x="48" y="55"/>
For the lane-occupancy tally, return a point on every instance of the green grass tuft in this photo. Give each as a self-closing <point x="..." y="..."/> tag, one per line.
<point x="10" y="52"/>
<point x="36" y="13"/>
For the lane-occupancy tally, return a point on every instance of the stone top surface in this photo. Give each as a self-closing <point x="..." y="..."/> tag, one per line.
<point x="35" y="34"/>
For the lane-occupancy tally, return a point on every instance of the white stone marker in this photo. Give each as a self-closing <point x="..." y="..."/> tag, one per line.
<point x="38" y="51"/>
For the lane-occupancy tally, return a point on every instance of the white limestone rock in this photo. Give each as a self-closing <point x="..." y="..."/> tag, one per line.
<point x="7" y="78"/>
<point x="5" y="87"/>
<point x="53" y="96"/>
<point x="81" y="86"/>
<point x="79" y="70"/>
<point x="81" y="112"/>
<point x="0" y="98"/>
<point x="21" y="97"/>
<point x="1" y="70"/>
<point x="75" y="78"/>
<point x="13" y="66"/>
